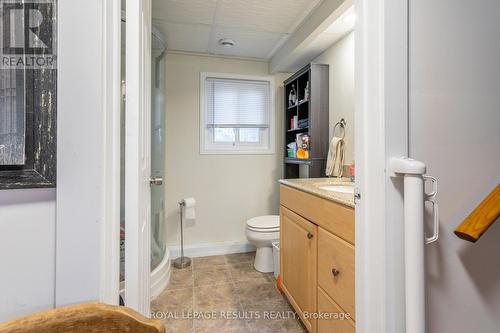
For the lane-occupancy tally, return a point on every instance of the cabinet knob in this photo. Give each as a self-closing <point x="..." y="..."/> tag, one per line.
<point x="310" y="235"/>
<point x="335" y="272"/>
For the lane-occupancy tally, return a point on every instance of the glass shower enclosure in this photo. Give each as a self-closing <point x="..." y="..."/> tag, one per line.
<point x="158" y="228"/>
<point x="160" y="261"/>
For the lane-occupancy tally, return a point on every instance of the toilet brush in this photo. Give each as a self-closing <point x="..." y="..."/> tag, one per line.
<point x="182" y="262"/>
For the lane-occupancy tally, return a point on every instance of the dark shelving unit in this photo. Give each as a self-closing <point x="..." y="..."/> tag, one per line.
<point x="315" y="110"/>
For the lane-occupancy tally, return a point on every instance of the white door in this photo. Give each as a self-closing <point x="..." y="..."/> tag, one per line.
<point x="454" y="127"/>
<point x="138" y="155"/>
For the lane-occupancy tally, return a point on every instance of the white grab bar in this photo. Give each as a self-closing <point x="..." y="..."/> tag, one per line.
<point x="413" y="172"/>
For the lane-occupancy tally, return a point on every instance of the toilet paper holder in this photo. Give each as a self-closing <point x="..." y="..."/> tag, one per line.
<point x="182" y="261"/>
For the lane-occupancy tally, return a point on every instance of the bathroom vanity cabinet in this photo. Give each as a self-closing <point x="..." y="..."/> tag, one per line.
<point x="317" y="260"/>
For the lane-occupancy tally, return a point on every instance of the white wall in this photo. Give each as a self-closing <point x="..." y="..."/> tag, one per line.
<point x="27" y="251"/>
<point x="228" y="189"/>
<point x="455" y="129"/>
<point x="340" y="57"/>
<point x="80" y="155"/>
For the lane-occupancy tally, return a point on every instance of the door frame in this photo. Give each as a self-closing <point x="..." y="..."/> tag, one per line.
<point x="138" y="286"/>
<point x="111" y="79"/>
<point x="381" y="117"/>
<point x="138" y="122"/>
<point x="381" y="86"/>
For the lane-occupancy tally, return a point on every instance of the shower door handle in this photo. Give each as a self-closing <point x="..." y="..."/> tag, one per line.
<point x="156" y="181"/>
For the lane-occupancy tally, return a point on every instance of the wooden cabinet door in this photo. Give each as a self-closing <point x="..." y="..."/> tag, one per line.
<point x="298" y="264"/>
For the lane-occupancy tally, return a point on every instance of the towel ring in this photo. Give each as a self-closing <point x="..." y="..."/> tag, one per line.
<point x="342" y="123"/>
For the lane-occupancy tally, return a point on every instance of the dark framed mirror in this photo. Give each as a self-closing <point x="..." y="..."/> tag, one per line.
<point x="28" y="94"/>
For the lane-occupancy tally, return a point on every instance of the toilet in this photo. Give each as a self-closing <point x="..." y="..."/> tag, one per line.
<point x="261" y="232"/>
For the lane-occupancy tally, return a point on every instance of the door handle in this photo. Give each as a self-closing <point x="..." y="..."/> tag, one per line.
<point x="156" y="181"/>
<point x="310" y="235"/>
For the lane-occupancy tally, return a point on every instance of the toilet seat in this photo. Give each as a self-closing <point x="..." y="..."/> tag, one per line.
<point x="264" y="230"/>
<point x="267" y="223"/>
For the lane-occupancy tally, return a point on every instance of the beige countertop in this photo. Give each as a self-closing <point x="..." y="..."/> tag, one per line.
<point x="312" y="186"/>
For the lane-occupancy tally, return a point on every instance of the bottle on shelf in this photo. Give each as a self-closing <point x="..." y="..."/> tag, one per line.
<point x="306" y="92"/>
<point x="294" y="122"/>
<point x="352" y="172"/>
<point x="292" y="97"/>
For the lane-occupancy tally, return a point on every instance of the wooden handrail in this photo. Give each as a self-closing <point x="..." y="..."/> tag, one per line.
<point x="476" y="224"/>
<point x="88" y="318"/>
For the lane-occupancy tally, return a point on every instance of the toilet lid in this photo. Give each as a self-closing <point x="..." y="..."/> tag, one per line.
<point x="264" y="222"/>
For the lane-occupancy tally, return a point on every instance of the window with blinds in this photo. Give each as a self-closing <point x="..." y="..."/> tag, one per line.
<point x="236" y="114"/>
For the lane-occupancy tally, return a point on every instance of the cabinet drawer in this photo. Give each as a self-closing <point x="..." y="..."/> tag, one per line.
<point x="332" y="216"/>
<point x="336" y="324"/>
<point x="336" y="269"/>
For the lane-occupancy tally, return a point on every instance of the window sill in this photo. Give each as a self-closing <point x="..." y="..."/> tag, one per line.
<point x="236" y="152"/>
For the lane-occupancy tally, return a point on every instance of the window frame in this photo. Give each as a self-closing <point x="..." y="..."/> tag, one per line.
<point x="208" y="147"/>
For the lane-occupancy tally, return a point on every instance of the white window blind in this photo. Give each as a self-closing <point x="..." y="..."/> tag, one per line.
<point x="232" y="103"/>
<point x="236" y="114"/>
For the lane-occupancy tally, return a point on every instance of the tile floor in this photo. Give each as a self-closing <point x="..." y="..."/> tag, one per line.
<point x="224" y="294"/>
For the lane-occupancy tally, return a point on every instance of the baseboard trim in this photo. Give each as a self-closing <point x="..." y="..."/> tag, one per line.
<point x="211" y="249"/>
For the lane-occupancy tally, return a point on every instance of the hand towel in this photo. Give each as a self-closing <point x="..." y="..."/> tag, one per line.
<point x="335" y="161"/>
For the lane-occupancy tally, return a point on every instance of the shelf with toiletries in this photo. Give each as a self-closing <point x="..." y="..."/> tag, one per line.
<point x="296" y="122"/>
<point x="292" y="160"/>
<point x="298" y="129"/>
<point x="306" y="122"/>
<point x="298" y="146"/>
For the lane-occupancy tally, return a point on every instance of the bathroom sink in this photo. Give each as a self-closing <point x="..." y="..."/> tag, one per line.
<point x="339" y="188"/>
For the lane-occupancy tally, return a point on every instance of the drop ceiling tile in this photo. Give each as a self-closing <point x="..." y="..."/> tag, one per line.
<point x="259" y="26"/>
<point x="185" y="11"/>
<point x="185" y="37"/>
<point x="249" y="43"/>
<point x="265" y="15"/>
